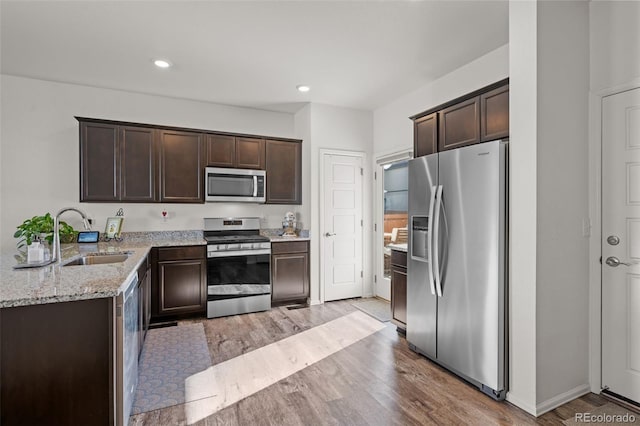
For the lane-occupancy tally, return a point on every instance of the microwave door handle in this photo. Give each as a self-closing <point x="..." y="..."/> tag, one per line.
<point x="255" y="186"/>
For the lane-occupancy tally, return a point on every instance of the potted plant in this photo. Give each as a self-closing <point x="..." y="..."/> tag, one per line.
<point x="40" y="228"/>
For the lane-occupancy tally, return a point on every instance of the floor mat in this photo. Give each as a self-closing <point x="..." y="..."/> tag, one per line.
<point x="169" y="357"/>
<point x="377" y="308"/>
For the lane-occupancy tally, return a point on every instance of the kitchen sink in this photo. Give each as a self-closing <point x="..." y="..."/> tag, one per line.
<point x="98" y="259"/>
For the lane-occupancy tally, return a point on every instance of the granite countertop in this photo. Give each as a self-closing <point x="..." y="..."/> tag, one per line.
<point x="398" y="247"/>
<point x="275" y="235"/>
<point x="57" y="283"/>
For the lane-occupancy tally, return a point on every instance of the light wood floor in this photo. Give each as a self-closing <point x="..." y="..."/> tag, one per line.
<point x="376" y="381"/>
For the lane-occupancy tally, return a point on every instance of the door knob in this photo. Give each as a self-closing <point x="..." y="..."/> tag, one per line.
<point x="615" y="262"/>
<point x="613" y="240"/>
<point x="329" y="234"/>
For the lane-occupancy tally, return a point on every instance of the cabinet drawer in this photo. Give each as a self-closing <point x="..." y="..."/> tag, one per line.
<point x="290" y="247"/>
<point x="399" y="258"/>
<point x="180" y="253"/>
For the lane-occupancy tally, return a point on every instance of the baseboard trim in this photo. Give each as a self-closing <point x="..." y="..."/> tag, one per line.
<point x="561" y="399"/>
<point x="520" y="403"/>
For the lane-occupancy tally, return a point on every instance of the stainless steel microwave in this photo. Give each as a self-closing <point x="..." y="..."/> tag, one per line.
<point x="235" y="185"/>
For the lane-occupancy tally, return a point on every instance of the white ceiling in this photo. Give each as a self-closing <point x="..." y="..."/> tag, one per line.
<point x="359" y="54"/>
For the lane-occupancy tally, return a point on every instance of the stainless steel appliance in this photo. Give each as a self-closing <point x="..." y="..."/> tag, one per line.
<point x="127" y="327"/>
<point x="238" y="267"/>
<point x="456" y="288"/>
<point x="239" y="185"/>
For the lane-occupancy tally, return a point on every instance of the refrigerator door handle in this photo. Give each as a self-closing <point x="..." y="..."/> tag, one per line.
<point x="435" y="264"/>
<point x="432" y="203"/>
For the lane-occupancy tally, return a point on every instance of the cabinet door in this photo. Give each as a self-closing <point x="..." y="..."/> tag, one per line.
<point x="399" y="296"/>
<point x="221" y="151"/>
<point x="284" y="172"/>
<point x="289" y="276"/>
<point x="138" y="164"/>
<point x="425" y="135"/>
<point x="181" y="167"/>
<point x="250" y="153"/>
<point x="494" y="114"/>
<point x="460" y="124"/>
<point x="98" y="162"/>
<point x="181" y="285"/>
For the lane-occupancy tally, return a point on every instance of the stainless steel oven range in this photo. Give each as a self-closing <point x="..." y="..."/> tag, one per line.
<point x="238" y="267"/>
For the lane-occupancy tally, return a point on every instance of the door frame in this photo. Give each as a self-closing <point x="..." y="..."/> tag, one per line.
<point x="363" y="157"/>
<point x="595" y="213"/>
<point x="378" y="208"/>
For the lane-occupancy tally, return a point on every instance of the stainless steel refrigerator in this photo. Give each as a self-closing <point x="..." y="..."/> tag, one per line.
<point x="456" y="290"/>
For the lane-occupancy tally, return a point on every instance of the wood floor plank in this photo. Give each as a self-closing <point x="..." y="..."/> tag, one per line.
<point x="377" y="380"/>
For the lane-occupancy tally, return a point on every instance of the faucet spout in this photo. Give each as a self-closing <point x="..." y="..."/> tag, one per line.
<point x="57" y="257"/>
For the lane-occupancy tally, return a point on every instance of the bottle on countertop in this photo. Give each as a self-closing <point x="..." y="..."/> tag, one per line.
<point x="35" y="252"/>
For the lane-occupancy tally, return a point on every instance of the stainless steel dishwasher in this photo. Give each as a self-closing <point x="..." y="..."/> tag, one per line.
<point x="126" y="379"/>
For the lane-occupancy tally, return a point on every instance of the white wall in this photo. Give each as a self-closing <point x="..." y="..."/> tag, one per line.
<point x="392" y="128"/>
<point x="522" y="203"/>
<point x="562" y="307"/>
<point x="614" y="44"/>
<point x="335" y="128"/>
<point x="40" y="151"/>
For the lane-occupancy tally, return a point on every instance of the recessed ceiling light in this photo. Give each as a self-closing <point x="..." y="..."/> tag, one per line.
<point x="303" y="88"/>
<point x="161" y="63"/>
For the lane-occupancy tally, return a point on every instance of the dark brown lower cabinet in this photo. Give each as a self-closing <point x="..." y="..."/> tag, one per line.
<point x="56" y="364"/>
<point x="179" y="281"/>
<point x="399" y="289"/>
<point x="289" y="272"/>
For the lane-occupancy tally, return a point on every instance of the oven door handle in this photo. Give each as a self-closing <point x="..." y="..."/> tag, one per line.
<point x="255" y="186"/>
<point x="233" y="253"/>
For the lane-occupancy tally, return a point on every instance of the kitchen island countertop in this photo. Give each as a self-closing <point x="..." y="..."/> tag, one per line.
<point x="57" y="283"/>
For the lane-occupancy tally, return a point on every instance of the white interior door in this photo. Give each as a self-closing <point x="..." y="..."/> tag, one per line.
<point x="342" y="226"/>
<point x="621" y="244"/>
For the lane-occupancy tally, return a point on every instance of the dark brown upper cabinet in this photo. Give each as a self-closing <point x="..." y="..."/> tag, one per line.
<point x="250" y="153"/>
<point x="181" y="167"/>
<point x="284" y="172"/>
<point x="235" y="152"/>
<point x="425" y="135"/>
<point x="134" y="162"/>
<point x="494" y="114"/>
<point x="479" y="116"/>
<point x="460" y="124"/>
<point x="138" y="164"/>
<point x="221" y="151"/>
<point x="117" y="163"/>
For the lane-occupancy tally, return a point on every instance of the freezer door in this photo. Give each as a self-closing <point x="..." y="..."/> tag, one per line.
<point x="472" y="231"/>
<point x="421" y="303"/>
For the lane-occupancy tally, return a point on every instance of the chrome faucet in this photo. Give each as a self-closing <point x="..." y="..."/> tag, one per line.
<point x="57" y="258"/>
